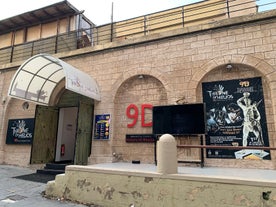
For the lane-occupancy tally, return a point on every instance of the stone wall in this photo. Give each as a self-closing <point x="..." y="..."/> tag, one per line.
<point x="174" y="68"/>
<point x="173" y="64"/>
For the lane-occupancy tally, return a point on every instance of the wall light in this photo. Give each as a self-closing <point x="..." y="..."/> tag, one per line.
<point x="140" y="76"/>
<point x="3" y="100"/>
<point x="25" y="105"/>
<point x="229" y="66"/>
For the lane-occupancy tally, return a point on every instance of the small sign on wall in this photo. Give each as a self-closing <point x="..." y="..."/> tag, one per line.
<point x="102" y="127"/>
<point x="145" y="138"/>
<point x="20" y="131"/>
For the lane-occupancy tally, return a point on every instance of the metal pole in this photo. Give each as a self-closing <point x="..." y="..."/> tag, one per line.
<point x="183" y="23"/>
<point x="145" y="25"/>
<point x="226" y="147"/>
<point x="112" y="12"/>
<point x="201" y="152"/>
<point x="228" y="10"/>
<point x="111" y="29"/>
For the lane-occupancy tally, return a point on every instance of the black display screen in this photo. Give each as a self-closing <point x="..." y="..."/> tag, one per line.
<point x="179" y="119"/>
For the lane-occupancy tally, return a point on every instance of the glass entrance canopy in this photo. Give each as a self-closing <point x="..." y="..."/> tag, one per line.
<point x="37" y="77"/>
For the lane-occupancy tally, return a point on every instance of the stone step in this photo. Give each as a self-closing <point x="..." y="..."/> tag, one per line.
<point x="50" y="171"/>
<point x="53" y="168"/>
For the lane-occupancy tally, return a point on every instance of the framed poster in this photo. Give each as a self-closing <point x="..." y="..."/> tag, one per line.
<point x="235" y="116"/>
<point x="20" y="131"/>
<point x="102" y="127"/>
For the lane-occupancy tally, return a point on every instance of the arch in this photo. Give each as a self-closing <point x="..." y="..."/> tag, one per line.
<point x="260" y="65"/>
<point x="263" y="69"/>
<point x="37" y="77"/>
<point x="133" y="102"/>
<point x="130" y="74"/>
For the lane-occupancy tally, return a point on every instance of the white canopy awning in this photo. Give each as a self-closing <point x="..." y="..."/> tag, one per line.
<point x="37" y="77"/>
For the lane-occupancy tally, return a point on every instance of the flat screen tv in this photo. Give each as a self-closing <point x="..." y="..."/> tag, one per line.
<point x="186" y="119"/>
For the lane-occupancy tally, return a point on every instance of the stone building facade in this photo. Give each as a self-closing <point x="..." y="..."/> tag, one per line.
<point x="160" y="69"/>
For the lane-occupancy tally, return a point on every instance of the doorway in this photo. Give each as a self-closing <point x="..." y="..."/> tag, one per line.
<point x="63" y="133"/>
<point x="66" y="134"/>
<point x="53" y="84"/>
<point x="44" y="139"/>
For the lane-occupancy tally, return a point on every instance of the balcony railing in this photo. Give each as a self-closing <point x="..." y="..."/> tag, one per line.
<point x="200" y="13"/>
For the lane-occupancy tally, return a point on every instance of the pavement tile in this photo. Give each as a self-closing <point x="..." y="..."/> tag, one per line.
<point x="22" y="193"/>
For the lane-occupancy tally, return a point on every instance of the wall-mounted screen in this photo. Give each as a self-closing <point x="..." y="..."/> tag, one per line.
<point x="179" y="119"/>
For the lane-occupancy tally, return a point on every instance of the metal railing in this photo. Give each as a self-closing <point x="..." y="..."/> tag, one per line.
<point x="201" y="13"/>
<point x="202" y="147"/>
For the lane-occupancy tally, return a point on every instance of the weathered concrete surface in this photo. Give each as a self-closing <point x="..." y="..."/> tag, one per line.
<point x="20" y="192"/>
<point x="119" y="187"/>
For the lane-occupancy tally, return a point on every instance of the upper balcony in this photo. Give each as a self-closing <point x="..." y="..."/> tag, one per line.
<point x="202" y="13"/>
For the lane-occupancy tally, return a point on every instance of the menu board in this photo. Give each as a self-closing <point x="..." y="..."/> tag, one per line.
<point x="102" y="127"/>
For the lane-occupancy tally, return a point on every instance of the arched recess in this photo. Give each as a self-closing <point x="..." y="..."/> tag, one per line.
<point x="37" y="78"/>
<point x="244" y="62"/>
<point x="136" y="91"/>
<point x="128" y="75"/>
<point x="265" y="69"/>
<point x="243" y="66"/>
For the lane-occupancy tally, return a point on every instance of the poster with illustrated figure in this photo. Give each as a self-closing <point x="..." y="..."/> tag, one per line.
<point x="235" y="116"/>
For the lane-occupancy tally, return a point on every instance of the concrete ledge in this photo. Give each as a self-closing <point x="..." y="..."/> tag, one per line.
<point x="111" y="186"/>
<point x="180" y="176"/>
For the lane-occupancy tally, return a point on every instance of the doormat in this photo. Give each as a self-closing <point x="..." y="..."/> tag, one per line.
<point x="37" y="177"/>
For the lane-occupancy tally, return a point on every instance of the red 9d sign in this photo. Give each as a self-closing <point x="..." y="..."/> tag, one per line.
<point x="132" y="112"/>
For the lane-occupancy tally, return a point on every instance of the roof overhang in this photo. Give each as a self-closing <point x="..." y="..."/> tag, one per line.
<point x="37" y="77"/>
<point x="49" y="13"/>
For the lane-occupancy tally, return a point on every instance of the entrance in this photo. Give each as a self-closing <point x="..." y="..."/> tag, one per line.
<point x="63" y="133"/>
<point x="44" y="142"/>
<point x="62" y="130"/>
<point x="66" y="135"/>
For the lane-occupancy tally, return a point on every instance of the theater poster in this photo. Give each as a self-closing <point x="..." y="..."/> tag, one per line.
<point x="20" y="131"/>
<point x="235" y="116"/>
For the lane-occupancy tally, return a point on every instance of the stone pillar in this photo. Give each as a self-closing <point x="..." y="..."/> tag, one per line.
<point x="166" y="155"/>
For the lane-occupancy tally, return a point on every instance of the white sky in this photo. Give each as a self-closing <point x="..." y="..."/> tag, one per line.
<point x="99" y="11"/>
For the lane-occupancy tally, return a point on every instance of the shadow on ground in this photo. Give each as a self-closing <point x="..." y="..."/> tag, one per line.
<point x="37" y="177"/>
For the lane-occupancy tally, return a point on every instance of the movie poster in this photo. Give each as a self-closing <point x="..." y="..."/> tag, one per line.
<point x="235" y="116"/>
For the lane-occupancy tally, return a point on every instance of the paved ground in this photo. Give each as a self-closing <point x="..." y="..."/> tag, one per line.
<point x="23" y="193"/>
